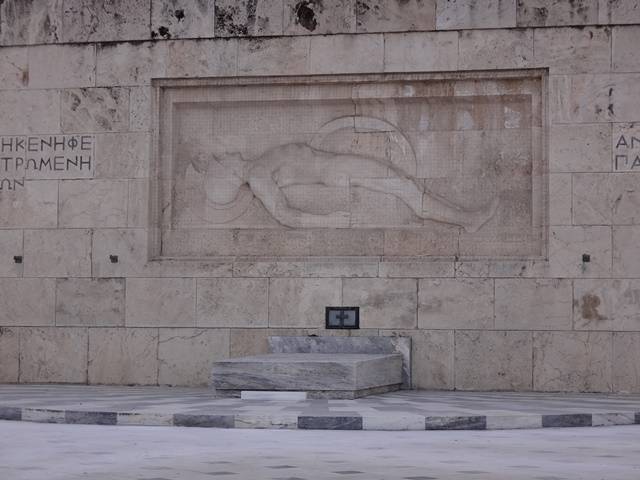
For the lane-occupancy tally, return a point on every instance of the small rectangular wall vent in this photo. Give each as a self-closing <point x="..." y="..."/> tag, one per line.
<point x="342" y="317"/>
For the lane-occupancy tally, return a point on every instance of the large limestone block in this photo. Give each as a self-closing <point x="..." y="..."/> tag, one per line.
<point x="533" y="304"/>
<point x="181" y="19"/>
<point x="626" y="261"/>
<point x="384" y="303"/>
<point x="29" y="111"/>
<point x="62" y="66"/>
<point x="232" y="302"/>
<point x="11" y="242"/>
<point x="383" y="16"/>
<point x="124" y="64"/>
<point x="488" y="49"/>
<point x="235" y="18"/>
<point x="272" y="56"/>
<point x="186" y="355"/>
<point x="138" y="203"/>
<point x="140" y="109"/>
<point x="607" y="305"/>
<point x="606" y="198"/>
<point x="580" y="148"/>
<point x="465" y="14"/>
<point x="9" y="356"/>
<point x="560" y="211"/>
<point x="123" y="356"/>
<point x="315" y="372"/>
<point x="93" y="203"/>
<point x="573" y="50"/>
<point x="325" y="17"/>
<point x="420" y="51"/>
<point x="95" y="109"/>
<point x="122" y="155"/>
<point x="301" y="302"/>
<point x="53" y="355"/>
<point x="255" y="341"/>
<point x="98" y="21"/>
<point x="618" y="11"/>
<point x="96" y="302"/>
<point x="26" y="22"/>
<point x="572" y="361"/>
<point x="626" y="358"/>
<point x="438" y="268"/>
<point x="493" y="360"/>
<point x="34" y="206"/>
<point x="14" y="66"/>
<point x="202" y="58"/>
<point x="547" y="13"/>
<point x="346" y="54"/>
<point x="455" y="303"/>
<point x="625" y="43"/>
<point x="160" y="302"/>
<point x="57" y="253"/>
<point x="569" y="244"/>
<point x="27" y="301"/>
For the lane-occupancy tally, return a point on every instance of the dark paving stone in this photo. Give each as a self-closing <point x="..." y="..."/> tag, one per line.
<point x="221" y="473"/>
<point x="456" y="423"/>
<point x="10" y="413"/>
<point x="91" y="418"/>
<point x="329" y="423"/>
<point x="637" y="419"/>
<point x="281" y="466"/>
<point x="420" y="478"/>
<point x="348" y="472"/>
<point x="210" y="421"/>
<point x="567" y="420"/>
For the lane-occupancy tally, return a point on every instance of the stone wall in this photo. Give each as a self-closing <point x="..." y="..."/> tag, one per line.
<point x="80" y="302"/>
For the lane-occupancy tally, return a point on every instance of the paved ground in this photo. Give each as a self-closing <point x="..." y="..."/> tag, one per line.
<point x="31" y="451"/>
<point x="406" y="410"/>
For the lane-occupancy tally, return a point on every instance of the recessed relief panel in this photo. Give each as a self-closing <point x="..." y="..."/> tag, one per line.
<point x="390" y="165"/>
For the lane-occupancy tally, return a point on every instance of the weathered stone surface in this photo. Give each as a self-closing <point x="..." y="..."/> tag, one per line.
<point x="29" y="111"/>
<point x="384" y="303"/>
<point x="14" y="67"/>
<point x="626" y="261"/>
<point x="487" y="49"/>
<point x="57" y="253"/>
<point x="346" y="54"/>
<point x="607" y="305"/>
<point x="96" y="21"/>
<point x="123" y="356"/>
<point x="626" y="358"/>
<point x="9" y="357"/>
<point x="95" y="109"/>
<point x="182" y="19"/>
<point x="27" y="301"/>
<point x="567" y="245"/>
<point x="533" y="304"/>
<point x="547" y="13"/>
<point x="381" y="16"/>
<point x="493" y="360"/>
<point x="97" y="302"/>
<point x="606" y="198"/>
<point x="122" y="155"/>
<point x="591" y="98"/>
<point x="573" y="50"/>
<point x="93" y="203"/>
<point x="160" y="302"/>
<point x="420" y="51"/>
<point x="560" y="211"/>
<point x="234" y="18"/>
<point x="416" y="268"/>
<point x="140" y="109"/>
<point x="618" y="11"/>
<point x="124" y="64"/>
<point x="455" y="303"/>
<point x="272" y="56"/>
<point x="53" y="355"/>
<point x="138" y="203"/>
<point x="580" y="148"/>
<point x="34" y="206"/>
<point x="313" y="17"/>
<point x="254" y="341"/>
<point x="432" y="352"/>
<point x="232" y="302"/>
<point x="625" y="42"/>
<point x="11" y="242"/>
<point x="25" y="22"/>
<point x="205" y="346"/>
<point x="301" y="302"/>
<point x="572" y="361"/>
<point x="464" y="14"/>
<point x="62" y="66"/>
<point x="202" y="58"/>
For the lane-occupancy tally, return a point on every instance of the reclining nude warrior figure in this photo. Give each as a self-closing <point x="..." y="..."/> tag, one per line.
<point x="301" y="164"/>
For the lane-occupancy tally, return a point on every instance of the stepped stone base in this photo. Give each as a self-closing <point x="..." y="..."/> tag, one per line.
<point x="322" y="375"/>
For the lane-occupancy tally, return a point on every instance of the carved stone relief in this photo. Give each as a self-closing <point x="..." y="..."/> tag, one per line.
<point x="316" y="166"/>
